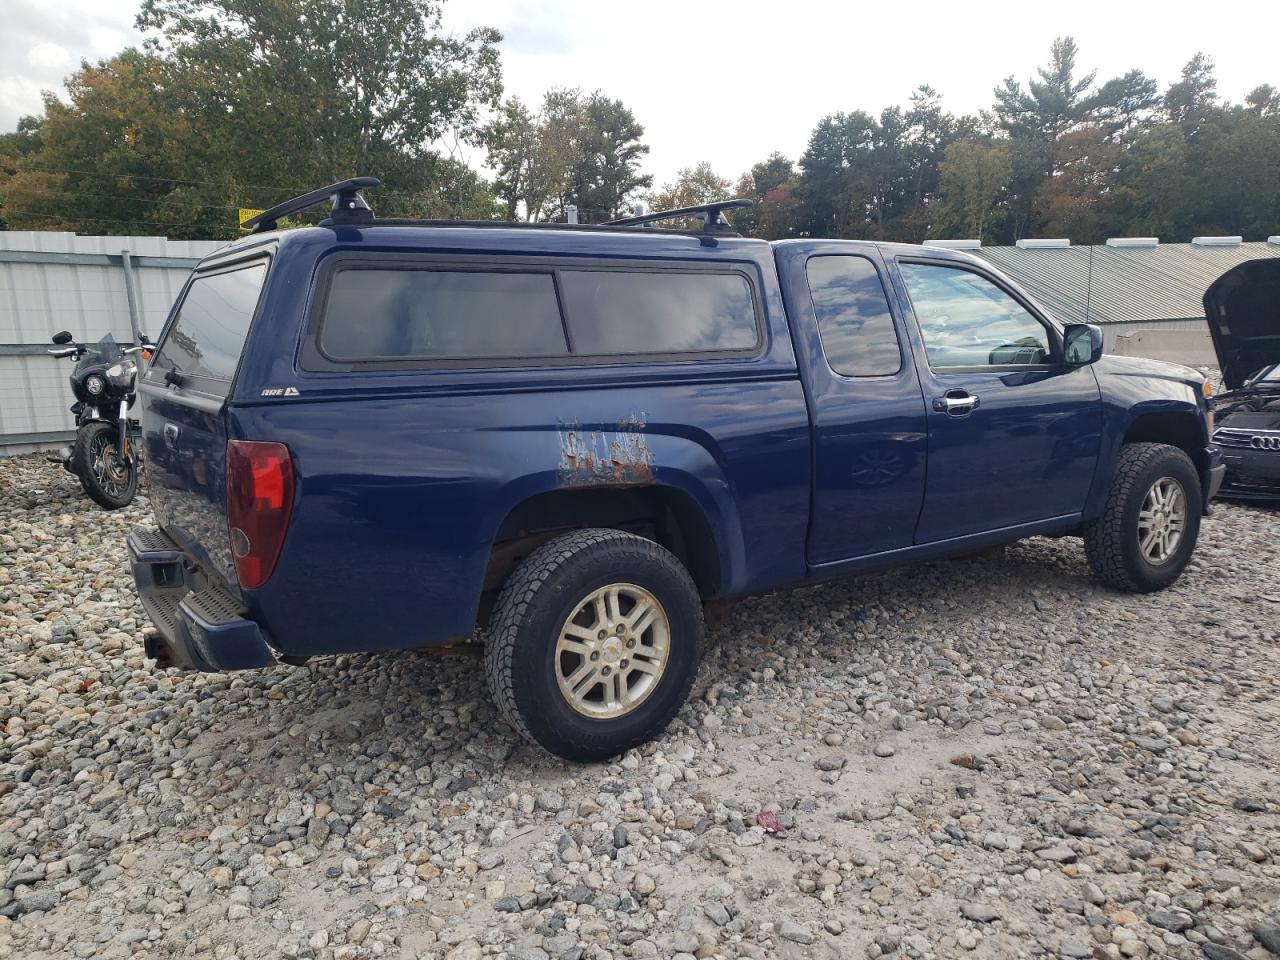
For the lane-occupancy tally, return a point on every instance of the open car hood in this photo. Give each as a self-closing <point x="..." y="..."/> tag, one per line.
<point x="1243" y="310"/>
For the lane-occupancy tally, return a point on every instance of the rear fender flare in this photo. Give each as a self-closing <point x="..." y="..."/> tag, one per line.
<point x="713" y="499"/>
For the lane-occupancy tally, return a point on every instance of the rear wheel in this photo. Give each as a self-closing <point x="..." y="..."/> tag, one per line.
<point x="1148" y="531"/>
<point x="594" y="643"/>
<point x="110" y="484"/>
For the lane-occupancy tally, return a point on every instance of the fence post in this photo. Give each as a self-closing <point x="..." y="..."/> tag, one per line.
<point x="131" y="294"/>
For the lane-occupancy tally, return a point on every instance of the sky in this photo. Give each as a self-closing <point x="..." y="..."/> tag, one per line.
<point x="730" y="81"/>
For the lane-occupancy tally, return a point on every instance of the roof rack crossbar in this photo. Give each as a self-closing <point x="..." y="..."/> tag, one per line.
<point x="711" y="214"/>
<point x="348" y="205"/>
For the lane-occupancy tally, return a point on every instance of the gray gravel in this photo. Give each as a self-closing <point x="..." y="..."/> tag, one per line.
<point x="991" y="757"/>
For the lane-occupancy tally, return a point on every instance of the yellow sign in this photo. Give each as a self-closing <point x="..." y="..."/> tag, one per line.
<point x="247" y="214"/>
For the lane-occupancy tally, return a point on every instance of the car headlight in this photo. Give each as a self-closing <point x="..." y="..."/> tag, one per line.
<point x="94" y="384"/>
<point x="121" y="374"/>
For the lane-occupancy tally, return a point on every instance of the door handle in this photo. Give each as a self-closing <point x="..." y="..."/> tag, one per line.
<point x="956" y="403"/>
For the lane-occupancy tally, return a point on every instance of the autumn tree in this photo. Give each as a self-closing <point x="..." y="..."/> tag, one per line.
<point x="770" y="184"/>
<point x="122" y="155"/>
<point x="692" y="186"/>
<point x="1080" y="199"/>
<point x="243" y="103"/>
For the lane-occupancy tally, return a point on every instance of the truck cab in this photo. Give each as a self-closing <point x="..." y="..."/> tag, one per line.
<point x="567" y="442"/>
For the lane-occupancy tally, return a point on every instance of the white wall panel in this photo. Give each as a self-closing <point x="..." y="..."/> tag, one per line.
<point x="89" y="299"/>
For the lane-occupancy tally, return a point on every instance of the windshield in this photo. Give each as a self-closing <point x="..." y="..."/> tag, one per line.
<point x="1268" y="375"/>
<point x="105" y="350"/>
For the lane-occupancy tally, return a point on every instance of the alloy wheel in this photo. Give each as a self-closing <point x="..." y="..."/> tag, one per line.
<point x="612" y="651"/>
<point x="1162" y="520"/>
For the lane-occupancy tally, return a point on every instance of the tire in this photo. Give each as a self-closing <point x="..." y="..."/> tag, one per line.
<point x="546" y="597"/>
<point x="1112" y="542"/>
<point x="94" y="442"/>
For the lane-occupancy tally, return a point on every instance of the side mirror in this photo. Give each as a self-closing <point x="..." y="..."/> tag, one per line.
<point x="62" y="337"/>
<point x="1082" y="344"/>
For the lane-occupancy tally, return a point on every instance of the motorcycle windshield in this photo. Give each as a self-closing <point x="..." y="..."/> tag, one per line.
<point x="105" y="352"/>
<point x="108" y="350"/>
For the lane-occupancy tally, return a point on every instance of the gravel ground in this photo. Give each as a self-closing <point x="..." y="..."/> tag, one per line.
<point x="992" y="757"/>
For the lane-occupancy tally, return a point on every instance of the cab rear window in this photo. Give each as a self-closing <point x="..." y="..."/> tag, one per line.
<point x="401" y="315"/>
<point x="202" y="347"/>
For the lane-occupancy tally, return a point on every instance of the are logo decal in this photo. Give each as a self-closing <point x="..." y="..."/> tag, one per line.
<point x="280" y="392"/>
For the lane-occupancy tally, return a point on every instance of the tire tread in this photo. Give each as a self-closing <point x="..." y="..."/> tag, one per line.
<point x="1105" y="538"/>
<point x="517" y="594"/>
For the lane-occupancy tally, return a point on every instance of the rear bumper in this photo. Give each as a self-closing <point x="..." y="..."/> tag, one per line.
<point x="200" y="625"/>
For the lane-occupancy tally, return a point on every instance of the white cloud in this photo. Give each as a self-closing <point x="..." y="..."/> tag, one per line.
<point x="729" y="81"/>
<point x="42" y="42"/>
<point x="45" y="57"/>
<point x="105" y="41"/>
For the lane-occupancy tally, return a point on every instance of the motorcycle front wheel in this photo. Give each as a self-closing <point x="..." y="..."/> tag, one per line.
<point x="109" y="484"/>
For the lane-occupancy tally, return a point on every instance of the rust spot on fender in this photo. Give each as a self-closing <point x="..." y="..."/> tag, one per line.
<point x="618" y="457"/>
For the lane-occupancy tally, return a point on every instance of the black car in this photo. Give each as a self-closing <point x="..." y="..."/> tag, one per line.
<point x="1243" y="310"/>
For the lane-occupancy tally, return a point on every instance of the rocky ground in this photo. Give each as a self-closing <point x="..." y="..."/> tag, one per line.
<point x="992" y="757"/>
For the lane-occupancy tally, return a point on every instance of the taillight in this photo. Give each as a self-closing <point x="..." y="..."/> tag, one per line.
<point x="259" y="501"/>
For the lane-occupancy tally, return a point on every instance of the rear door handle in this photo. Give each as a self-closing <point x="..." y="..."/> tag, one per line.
<point x="956" y="403"/>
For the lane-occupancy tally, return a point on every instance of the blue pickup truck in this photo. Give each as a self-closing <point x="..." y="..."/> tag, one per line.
<point x="382" y="434"/>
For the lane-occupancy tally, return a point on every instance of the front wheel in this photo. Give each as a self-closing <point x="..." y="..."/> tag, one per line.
<point x="594" y="644"/>
<point x="109" y="484"/>
<point x="1148" y="531"/>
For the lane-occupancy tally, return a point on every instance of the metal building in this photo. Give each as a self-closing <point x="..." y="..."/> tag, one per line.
<point x="88" y="285"/>
<point x="1146" y="295"/>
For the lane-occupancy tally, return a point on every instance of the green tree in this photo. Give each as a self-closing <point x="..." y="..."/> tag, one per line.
<point x="579" y="148"/>
<point x="1051" y="105"/>
<point x="974" y="175"/>
<point x="1263" y="100"/>
<point x="531" y="153"/>
<point x="874" y="177"/>
<point x="605" y="174"/>
<point x="1123" y="103"/>
<point x="335" y="86"/>
<point x="1159" y="196"/>
<point x="1236" y="155"/>
<point x="834" y="185"/>
<point x="1188" y="101"/>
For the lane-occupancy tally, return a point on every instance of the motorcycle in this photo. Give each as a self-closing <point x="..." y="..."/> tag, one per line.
<point x="103" y="455"/>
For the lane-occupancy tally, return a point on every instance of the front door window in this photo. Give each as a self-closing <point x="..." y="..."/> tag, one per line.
<point x="968" y="322"/>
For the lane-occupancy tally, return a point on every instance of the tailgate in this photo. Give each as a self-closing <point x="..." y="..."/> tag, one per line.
<point x="184" y="420"/>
